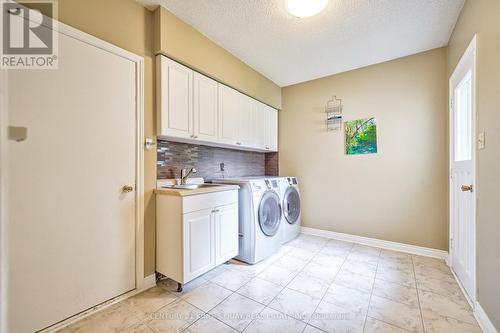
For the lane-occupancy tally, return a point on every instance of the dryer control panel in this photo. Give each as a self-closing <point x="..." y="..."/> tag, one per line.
<point x="271" y="183"/>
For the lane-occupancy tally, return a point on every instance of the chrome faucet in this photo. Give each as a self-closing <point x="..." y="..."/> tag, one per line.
<point x="184" y="175"/>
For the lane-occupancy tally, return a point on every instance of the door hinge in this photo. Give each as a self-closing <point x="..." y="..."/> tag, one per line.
<point x="451" y="243"/>
<point x="451" y="103"/>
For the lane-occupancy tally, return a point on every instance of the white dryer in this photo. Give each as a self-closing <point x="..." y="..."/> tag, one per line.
<point x="260" y="216"/>
<point x="291" y="208"/>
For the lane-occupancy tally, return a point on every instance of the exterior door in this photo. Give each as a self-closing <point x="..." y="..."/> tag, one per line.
<point x="71" y="221"/>
<point x="462" y="180"/>
<point x="198" y="243"/>
<point x="226" y="233"/>
<point x="205" y="108"/>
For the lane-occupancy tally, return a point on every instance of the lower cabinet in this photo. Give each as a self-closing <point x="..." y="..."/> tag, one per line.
<point x="195" y="233"/>
<point x="226" y="245"/>
<point x="199" y="250"/>
<point x="210" y="239"/>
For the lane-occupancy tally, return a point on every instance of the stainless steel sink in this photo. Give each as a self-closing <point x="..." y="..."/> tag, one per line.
<point x="190" y="186"/>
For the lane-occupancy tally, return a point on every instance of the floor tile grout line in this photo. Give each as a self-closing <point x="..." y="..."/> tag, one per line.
<point x="371" y="293"/>
<point x="390" y="324"/>
<point x="418" y="296"/>
<point x="236" y="292"/>
<point x="308" y="262"/>
<point x="321" y="300"/>
<point x="297" y="273"/>
<point x="266" y="306"/>
<point x="442" y="315"/>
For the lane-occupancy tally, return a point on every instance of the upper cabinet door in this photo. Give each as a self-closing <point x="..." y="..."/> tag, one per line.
<point x="175" y="88"/>
<point x="261" y="125"/>
<point x="272" y="131"/>
<point x="205" y="108"/>
<point x="229" y="116"/>
<point x="247" y="122"/>
<point x="266" y="130"/>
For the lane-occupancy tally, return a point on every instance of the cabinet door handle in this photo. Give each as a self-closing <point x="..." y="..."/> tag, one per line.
<point x="215" y="211"/>
<point x="267" y="148"/>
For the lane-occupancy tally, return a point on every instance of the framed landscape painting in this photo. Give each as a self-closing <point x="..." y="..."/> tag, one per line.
<point x="361" y="136"/>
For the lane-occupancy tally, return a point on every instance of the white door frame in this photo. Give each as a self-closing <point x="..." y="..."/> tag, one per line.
<point x="139" y="175"/>
<point x="469" y="53"/>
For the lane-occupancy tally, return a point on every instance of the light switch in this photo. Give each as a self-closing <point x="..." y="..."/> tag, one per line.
<point x="149" y="143"/>
<point x="480" y="141"/>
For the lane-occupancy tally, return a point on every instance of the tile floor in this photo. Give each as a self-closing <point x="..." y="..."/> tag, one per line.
<point x="312" y="285"/>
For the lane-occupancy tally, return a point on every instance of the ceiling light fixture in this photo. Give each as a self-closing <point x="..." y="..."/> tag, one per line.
<point x="305" y="8"/>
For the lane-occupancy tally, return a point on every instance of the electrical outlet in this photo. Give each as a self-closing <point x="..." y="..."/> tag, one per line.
<point x="222" y="167"/>
<point x="480" y="141"/>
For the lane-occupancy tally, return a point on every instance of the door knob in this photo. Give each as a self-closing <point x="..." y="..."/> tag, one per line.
<point x="466" y="188"/>
<point x="127" y="188"/>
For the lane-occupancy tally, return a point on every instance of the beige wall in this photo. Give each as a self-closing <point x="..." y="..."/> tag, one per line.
<point x="398" y="194"/>
<point x="482" y="17"/>
<point x="182" y="42"/>
<point x="128" y="25"/>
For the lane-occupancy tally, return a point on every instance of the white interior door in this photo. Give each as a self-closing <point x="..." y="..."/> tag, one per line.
<point x="462" y="180"/>
<point x="70" y="226"/>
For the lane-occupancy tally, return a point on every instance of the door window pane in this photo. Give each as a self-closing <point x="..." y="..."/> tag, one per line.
<point x="463" y="119"/>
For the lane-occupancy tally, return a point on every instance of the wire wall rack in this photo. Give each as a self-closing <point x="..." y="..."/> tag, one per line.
<point x="333" y="110"/>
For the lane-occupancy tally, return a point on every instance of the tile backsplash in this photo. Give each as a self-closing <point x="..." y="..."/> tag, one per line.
<point x="173" y="156"/>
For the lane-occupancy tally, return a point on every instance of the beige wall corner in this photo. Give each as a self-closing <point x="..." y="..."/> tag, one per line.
<point x="183" y="43"/>
<point x="128" y="25"/>
<point x="482" y="17"/>
<point x="398" y="194"/>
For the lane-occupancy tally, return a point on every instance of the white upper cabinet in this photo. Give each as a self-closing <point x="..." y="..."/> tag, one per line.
<point x="205" y="108"/>
<point x="266" y="127"/>
<point x="175" y="90"/>
<point x="229" y="116"/>
<point x="247" y="122"/>
<point x="272" y="129"/>
<point x="193" y="108"/>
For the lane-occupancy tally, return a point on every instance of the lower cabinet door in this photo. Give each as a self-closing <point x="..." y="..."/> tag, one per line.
<point x="226" y="233"/>
<point x="198" y="243"/>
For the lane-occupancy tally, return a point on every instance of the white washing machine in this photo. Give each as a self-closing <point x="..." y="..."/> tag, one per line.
<point x="260" y="217"/>
<point x="291" y="208"/>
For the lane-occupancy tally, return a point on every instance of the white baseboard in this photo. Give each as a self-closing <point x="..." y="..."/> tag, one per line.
<point x="149" y="282"/>
<point x="383" y="244"/>
<point x="483" y="320"/>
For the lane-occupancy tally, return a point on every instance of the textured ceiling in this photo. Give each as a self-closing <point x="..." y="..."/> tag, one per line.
<point x="348" y="34"/>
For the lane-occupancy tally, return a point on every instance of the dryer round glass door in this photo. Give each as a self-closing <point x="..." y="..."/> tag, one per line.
<point x="269" y="213"/>
<point x="291" y="205"/>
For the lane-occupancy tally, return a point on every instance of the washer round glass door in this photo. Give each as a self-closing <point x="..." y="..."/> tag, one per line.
<point x="269" y="213"/>
<point x="291" y="205"/>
